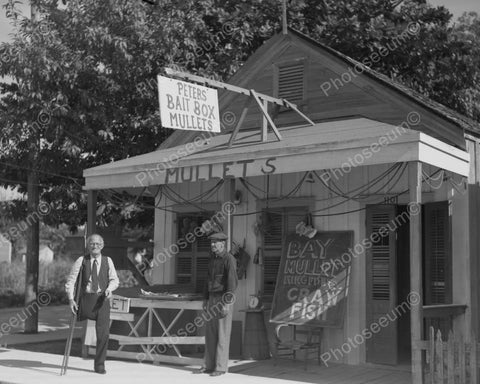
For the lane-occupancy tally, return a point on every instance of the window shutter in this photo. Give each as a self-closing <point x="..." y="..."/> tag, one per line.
<point x="202" y="269"/>
<point x="184" y="269"/>
<point x="192" y="261"/>
<point x="437" y="255"/>
<point x="277" y="224"/>
<point x="381" y="284"/>
<point x="381" y="254"/>
<point x="272" y="249"/>
<point x="290" y="82"/>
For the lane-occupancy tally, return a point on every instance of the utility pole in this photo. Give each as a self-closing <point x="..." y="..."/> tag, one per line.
<point x="284" y="17"/>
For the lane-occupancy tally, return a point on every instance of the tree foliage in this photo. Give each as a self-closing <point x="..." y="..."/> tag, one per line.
<point x="80" y="88"/>
<point x="440" y="60"/>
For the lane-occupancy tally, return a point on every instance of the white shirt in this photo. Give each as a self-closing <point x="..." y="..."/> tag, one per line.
<point x="113" y="281"/>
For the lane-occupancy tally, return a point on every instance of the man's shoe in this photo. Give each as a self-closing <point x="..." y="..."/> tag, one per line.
<point x="101" y="371"/>
<point x="217" y="373"/>
<point x="202" y="370"/>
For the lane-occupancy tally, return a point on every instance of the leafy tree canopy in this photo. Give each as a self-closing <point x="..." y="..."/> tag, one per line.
<point x="80" y="90"/>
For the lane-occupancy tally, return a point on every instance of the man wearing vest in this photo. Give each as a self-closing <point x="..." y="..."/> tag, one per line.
<point x="218" y="305"/>
<point x="98" y="279"/>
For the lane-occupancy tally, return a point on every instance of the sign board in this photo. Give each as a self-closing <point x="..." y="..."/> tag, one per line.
<point x="313" y="279"/>
<point x="188" y="106"/>
<point x="120" y="304"/>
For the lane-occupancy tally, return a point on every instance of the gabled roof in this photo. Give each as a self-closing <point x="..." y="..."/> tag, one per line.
<point x="454" y="118"/>
<point x="443" y="111"/>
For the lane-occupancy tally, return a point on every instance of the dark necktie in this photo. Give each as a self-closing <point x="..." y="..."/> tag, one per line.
<point x="94" y="277"/>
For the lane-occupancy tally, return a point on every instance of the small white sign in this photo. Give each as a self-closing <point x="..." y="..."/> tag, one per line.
<point x="188" y="106"/>
<point x="120" y="304"/>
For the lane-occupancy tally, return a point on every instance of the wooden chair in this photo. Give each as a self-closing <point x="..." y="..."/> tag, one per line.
<point x="311" y="337"/>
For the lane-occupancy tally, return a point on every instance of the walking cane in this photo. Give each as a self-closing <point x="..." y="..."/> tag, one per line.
<point x="68" y="346"/>
<point x="73" y="321"/>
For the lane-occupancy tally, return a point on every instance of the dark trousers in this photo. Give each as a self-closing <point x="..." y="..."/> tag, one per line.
<point x="217" y="339"/>
<point x="96" y="307"/>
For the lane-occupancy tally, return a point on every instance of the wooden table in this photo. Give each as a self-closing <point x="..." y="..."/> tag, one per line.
<point x="148" y="315"/>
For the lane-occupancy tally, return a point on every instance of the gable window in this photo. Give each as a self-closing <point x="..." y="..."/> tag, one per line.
<point x="290" y="82"/>
<point x="192" y="260"/>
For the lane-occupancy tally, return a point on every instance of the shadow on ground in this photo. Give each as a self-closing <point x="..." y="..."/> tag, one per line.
<point x="294" y="370"/>
<point x="35" y="365"/>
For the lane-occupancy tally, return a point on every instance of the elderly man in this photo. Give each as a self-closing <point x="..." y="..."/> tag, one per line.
<point x="98" y="279"/>
<point x="218" y="298"/>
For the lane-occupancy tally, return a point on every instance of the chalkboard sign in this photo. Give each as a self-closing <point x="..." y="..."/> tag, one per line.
<point x="313" y="279"/>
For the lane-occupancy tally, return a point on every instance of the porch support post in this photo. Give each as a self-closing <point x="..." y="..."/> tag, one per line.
<point x="91" y="228"/>
<point x="228" y="208"/>
<point x="415" y="297"/>
<point x="91" y="212"/>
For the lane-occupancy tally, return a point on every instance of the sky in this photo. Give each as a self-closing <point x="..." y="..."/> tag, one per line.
<point x="457" y="7"/>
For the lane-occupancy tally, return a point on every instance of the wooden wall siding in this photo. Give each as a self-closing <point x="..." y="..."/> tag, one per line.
<point x="473" y="193"/>
<point x="472" y="246"/>
<point x="323" y="201"/>
<point x="474" y="225"/>
<point x="350" y="100"/>
<point x="360" y="96"/>
<point x="394" y="107"/>
<point x="460" y="251"/>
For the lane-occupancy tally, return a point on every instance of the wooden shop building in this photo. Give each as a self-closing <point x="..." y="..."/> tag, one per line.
<point x="352" y="159"/>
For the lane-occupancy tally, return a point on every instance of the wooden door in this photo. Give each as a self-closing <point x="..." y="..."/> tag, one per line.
<point x="382" y="347"/>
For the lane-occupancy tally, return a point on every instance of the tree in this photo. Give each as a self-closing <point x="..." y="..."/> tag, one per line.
<point x="467" y="29"/>
<point x="436" y="59"/>
<point x="78" y="94"/>
<point x="80" y="88"/>
<point x="71" y="103"/>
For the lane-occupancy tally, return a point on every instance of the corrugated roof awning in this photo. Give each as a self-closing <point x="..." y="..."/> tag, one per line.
<point x="337" y="144"/>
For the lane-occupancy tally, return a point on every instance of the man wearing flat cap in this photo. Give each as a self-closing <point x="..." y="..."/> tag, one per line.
<point x="218" y="303"/>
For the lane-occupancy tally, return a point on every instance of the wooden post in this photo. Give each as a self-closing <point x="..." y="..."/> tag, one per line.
<point x="228" y="203"/>
<point x="451" y="358"/>
<point x="32" y="257"/>
<point x="439" y="357"/>
<point x="33" y="231"/>
<point x="416" y="312"/>
<point x="91" y="212"/>
<point x="265" y="123"/>
<point x="238" y="126"/>
<point x="431" y="355"/>
<point x="461" y="359"/>
<point x="267" y="116"/>
<point x="473" y="358"/>
<point x="91" y="228"/>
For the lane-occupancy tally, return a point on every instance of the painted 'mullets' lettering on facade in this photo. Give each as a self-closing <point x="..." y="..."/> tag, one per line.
<point x="229" y="169"/>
